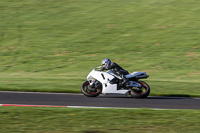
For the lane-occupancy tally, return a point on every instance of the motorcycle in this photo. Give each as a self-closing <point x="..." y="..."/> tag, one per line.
<point x="109" y="83"/>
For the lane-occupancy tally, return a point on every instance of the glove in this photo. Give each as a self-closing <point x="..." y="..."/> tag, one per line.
<point x="102" y="69"/>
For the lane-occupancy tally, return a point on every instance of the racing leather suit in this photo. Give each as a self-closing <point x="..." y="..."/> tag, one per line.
<point x="118" y="71"/>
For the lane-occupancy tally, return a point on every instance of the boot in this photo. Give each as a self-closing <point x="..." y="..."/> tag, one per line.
<point x="125" y="81"/>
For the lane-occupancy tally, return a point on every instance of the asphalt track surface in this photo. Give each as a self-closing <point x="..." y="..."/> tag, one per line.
<point x="79" y="100"/>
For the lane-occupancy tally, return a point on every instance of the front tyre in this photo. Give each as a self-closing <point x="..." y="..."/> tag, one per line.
<point x="141" y="92"/>
<point x="89" y="91"/>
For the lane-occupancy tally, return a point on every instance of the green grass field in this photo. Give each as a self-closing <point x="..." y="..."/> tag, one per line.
<point x="52" y="45"/>
<point x="69" y="120"/>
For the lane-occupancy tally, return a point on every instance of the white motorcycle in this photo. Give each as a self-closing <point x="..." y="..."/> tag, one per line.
<point x="109" y="83"/>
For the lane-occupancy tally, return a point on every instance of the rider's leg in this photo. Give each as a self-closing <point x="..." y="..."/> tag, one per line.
<point x="125" y="80"/>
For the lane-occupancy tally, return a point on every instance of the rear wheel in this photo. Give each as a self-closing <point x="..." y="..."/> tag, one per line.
<point x="89" y="91"/>
<point x="141" y="92"/>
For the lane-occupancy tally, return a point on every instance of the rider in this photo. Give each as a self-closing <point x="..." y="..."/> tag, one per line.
<point x="109" y="65"/>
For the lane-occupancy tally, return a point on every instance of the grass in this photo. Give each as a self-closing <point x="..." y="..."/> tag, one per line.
<point x="52" y="45"/>
<point x="51" y="120"/>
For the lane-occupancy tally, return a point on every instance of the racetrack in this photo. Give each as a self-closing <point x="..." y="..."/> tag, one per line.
<point x="76" y="100"/>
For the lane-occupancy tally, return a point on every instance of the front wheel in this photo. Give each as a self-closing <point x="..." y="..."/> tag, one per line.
<point x="89" y="91"/>
<point x="141" y="92"/>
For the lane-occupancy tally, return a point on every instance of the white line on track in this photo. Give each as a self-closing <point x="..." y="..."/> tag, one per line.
<point x="113" y="107"/>
<point x="21" y="105"/>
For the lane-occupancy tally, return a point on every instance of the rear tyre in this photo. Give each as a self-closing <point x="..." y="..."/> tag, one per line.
<point x="142" y="92"/>
<point x="89" y="91"/>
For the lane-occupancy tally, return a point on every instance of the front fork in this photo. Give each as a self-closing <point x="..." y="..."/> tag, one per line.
<point x="93" y="83"/>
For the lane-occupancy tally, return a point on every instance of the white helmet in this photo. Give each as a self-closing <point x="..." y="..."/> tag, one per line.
<point x="106" y="62"/>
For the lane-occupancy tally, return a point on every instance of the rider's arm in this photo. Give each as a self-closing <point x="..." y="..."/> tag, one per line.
<point x="102" y="69"/>
<point x="112" y="65"/>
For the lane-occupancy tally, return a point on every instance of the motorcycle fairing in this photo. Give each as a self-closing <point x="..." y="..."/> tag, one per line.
<point x="105" y="78"/>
